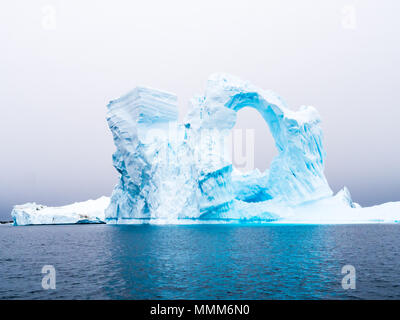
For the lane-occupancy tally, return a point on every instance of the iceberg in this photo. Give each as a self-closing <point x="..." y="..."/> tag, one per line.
<point x="90" y="211"/>
<point x="173" y="172"/>
<point x="177" y="171"/>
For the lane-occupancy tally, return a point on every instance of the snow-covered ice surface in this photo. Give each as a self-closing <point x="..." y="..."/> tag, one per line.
<point x="173" y="172"/>
<point x="339" y="209"/>
<point x="90" y="211"/>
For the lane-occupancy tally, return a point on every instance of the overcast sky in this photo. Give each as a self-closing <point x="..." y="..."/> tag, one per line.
<point x="62" y="61"/>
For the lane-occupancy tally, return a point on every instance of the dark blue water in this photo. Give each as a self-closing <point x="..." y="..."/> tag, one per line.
<point x="200" y="261"/>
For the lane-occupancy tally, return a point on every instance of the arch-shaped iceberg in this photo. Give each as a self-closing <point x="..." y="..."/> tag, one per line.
<point x="176" y="171"/>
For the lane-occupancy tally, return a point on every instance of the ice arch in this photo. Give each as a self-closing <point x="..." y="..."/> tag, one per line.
<point x="296" y="173"/>
<point x="161" y="177"/>
<point x="251" y="136"/>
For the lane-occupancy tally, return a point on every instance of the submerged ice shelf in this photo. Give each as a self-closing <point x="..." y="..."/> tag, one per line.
<point x="173" y="172"/>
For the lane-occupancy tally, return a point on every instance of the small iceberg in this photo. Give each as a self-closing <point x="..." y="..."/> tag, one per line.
<point x="90" y="211"/>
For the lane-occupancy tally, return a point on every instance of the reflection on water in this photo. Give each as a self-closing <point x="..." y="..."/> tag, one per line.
<point x="200" y="261"/>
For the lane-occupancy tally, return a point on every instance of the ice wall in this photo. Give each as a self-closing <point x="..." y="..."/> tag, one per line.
<point x="148" y="159"/>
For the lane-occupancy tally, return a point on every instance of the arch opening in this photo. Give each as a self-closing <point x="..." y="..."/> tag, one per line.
<point x="253" y="141"/>
<point x="251" y="128"/>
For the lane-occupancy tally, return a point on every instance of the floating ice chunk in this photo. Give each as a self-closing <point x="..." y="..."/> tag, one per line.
<point x="90" y="211"/>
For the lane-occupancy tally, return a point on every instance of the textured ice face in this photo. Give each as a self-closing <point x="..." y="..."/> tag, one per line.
<point x="174" y="171"/>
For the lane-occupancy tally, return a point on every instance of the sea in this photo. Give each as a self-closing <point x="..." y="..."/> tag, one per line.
<point x="216" y="261"/>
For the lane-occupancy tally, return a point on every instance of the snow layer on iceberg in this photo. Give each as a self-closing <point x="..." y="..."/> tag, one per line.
<point x="90" y="211"/>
